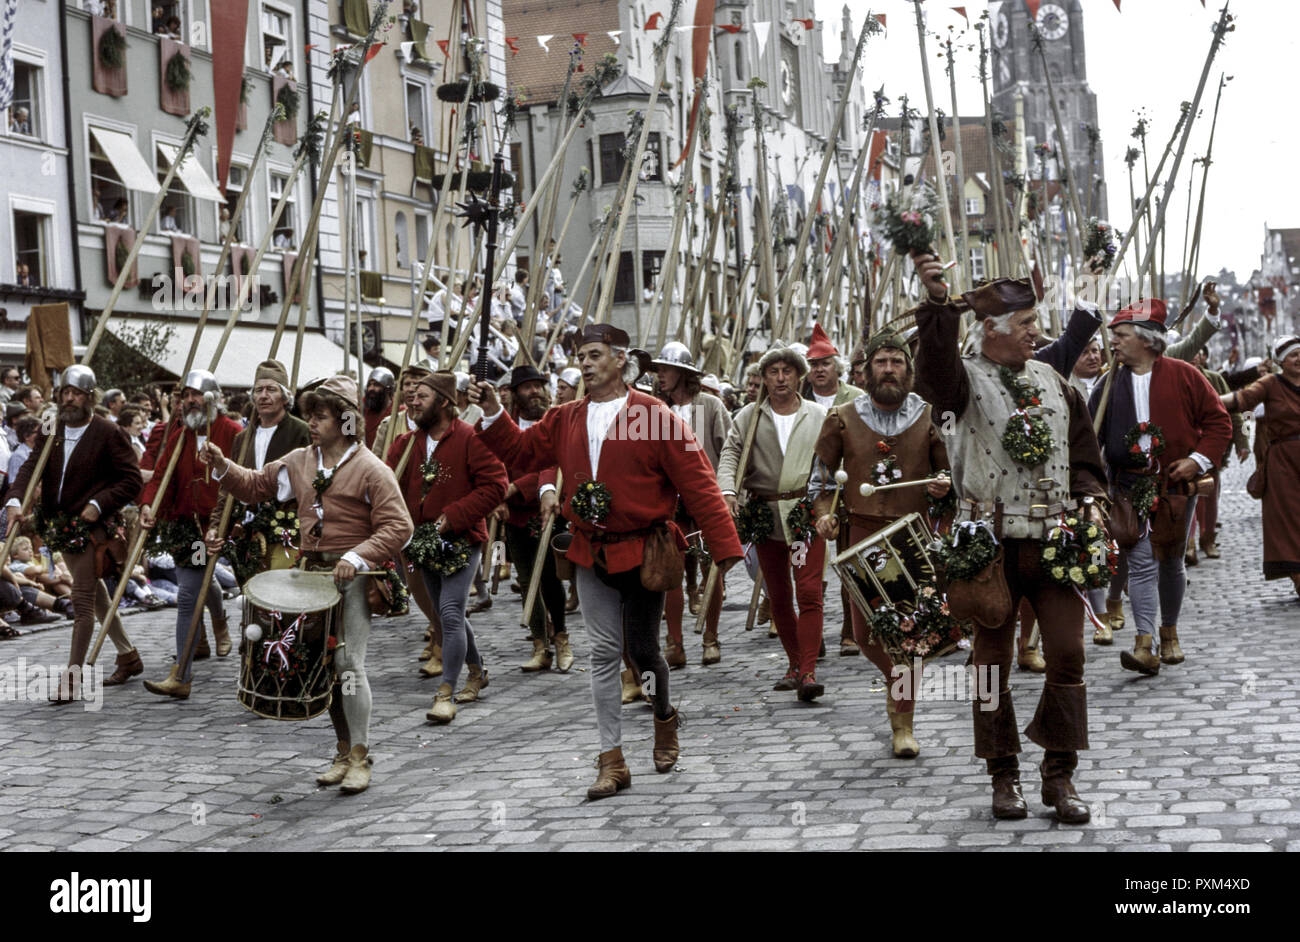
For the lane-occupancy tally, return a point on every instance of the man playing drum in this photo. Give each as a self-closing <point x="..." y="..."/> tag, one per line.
<point x="356" y="519"/>
<point x="1022" y="450"/>
<point x="883" y="437"/>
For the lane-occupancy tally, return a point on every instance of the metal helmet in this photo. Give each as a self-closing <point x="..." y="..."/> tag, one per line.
<point x="78" y="377"/>
<point x="383" y="376"/>
<point x="678" y="355"/>
<point x="203" y="381"/>
<point x="462" y="381"/>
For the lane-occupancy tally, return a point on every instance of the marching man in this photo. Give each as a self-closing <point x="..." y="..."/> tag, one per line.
<point x="776" y="478"/>
<point x="91" y="474"/>
<point x="188" y="503"/>
<point x="624" y="458"/>
<point x="351" y="518"/>
<point x="989" y="394"/>
<point x="884" y="436"/>
<point x="451" y="482"/>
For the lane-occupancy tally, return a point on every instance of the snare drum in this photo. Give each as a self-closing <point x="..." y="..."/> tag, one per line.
<point x="891" y="572"/>
<point x="286" y="673"/>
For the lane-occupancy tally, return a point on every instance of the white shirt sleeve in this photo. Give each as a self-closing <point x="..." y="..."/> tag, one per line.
<point x="355" y="560"/>
<point x="489" y="419"/>
<point x="1201" y="460"/>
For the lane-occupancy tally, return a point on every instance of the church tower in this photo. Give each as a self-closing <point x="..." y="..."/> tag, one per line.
<point x="1017" y="69"/>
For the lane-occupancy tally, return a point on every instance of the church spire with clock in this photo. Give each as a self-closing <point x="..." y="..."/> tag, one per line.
<point x="1017" y="68"/>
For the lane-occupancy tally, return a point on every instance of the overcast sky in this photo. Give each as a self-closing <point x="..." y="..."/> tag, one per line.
<point x="1148" y="57"/>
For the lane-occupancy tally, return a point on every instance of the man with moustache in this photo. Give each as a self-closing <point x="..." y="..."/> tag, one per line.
<point x="984" y="393"/>
<point x="778" y="476"/>
<point x="410" y="377"/>
<point x="705" y="415"/>
<point x="379" y="397"/>
<point x="888" y="426"/>
<point x="629" y="485"/>
<point x="189" y="501"/>
<point x="91" y="474"/>
<point x="452" y="482"/>
<point x="521" y="515"/>
<point x="360" y="520"/>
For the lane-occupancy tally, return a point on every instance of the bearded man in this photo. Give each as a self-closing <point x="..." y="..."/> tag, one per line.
<point x="378" y="400"/>
<point x="187" y="504"/>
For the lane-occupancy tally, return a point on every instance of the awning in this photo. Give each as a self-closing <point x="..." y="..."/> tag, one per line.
<point x="196" y="181"/>
<point x="126" y="160"/>
<point x="246" y="348"/>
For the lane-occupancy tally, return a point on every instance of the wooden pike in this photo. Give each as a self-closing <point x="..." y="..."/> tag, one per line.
<point x="939" y="176"/>
<point x="963" y="242"/>
<point x="768" y="256"/>
<point x="667" y="278"/>
<point x="1194" y="256"/>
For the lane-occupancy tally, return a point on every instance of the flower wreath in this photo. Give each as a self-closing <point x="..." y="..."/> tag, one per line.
<point x="1134" y="455"/>
<point x="1027" y="438"/>
<point x="591" y="502"/>
<point x="754" y="521"/>
<point x="1077" y="554"/>
<point x="966" y="551"/>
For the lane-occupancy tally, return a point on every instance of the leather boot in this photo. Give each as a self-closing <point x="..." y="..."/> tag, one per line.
<point x="1210" y="548"/>
<point x="171" y="687"/>
<point x="66" y="689"/>
<point x="631" y="689"/>
<point x="433" y="666"/>
<point x="1103" y="634"/>
<point x="431" y="646"/>
<point x="1008" y="799"/>
<point x="128" y="666"/>
<point x="996" y="735"/>
<point x="905" y="744"/>
<point x="712" y="651"/>
<point x="221" y="637"/>
<point x="613" y="776"/>
<point x="1115" y="614"/>
<point x="338" y="768"/>
<point x="443" y="710"/>
<point x="1029" y="659"/>
<point x="563" y="652"/>
<point x="693" y="600"/>
<point x="474" y="684"/>
<point x="357" y="778"/>
<point x="541" y="659"/>
<point x="809" y="688"/>
<point x="1058" y="789"/>
<point x="202" y="651"/>
<point x="1189" y="557"/>
<point x="1170" y="652"/>
<point x="1142" y="660"/>
<point x="674" y="654"/>
<point x="665" y="751"/>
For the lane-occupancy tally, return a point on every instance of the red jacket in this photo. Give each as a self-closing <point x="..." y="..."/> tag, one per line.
<point x="643" y="471"/>
<point x="187" y="493"/>
<point x="472" y="481"/>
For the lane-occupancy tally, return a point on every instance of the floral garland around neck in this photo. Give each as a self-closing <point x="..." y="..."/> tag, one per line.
<point x="591" y="501"/>
<point x="1135" y="456"/>
<point x="431" y="472"/>
<point x="1027" y="438"/>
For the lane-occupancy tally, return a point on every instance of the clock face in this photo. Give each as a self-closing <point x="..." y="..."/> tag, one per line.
<point x="787" y="84"/>
<point x="1001" y="30"/>
<point x="1052" y="21"/>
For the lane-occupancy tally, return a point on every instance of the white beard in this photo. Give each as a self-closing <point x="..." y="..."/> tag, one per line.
<point x="196" y="420"/>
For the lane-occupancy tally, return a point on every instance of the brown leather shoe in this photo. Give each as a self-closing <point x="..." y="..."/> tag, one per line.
<point x="849" y="648"/>
<point x="1170" y="651"/>
<point x="1059" y="794"/>
<point x="631" y="689"/>
<point x="338" y="768"/>
<point x="613" y="776"/>
<point x="1103" y="634"/>
<point x="666" y="750"/>
<point x="128" y="666"/>
<point x="1008" y="799"/>
<point x="1143" y="659"/>
<point x="1189" y="558"/>
<point x="221" y="637"/>
<point x="357" y="777"/>
<point x="1115" y="614"/>
<point x="474" y="684"/>
<point x="571" y="603"/>
<point x="432" y="667"/>
<point x="764" y="612"/>
<point x="1210" y="549"/>
<point x="202" y="651"/>
<point x="1029" y="659"/>
<point x="789" y="682"/>
<point x="903" y="741"/>
<point x="171" y="687"/>
<point x="809" y="689"/>
<point x="563" y="652"/>
<point x="674" y="654"/>
<point x="540" y="660"/>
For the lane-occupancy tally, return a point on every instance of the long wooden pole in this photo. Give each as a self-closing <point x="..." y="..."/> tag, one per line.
<point x="1194" y="257"/>
<point x="765" y="221"/>
<point x="964" y="232"/>
<point x="667" y="278"/>
<point x="940" y="178"/>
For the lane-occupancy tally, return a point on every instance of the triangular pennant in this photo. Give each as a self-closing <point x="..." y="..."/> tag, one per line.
<point x="732" y="28"/>
<point x="880" y="18"/>
<point x="962" y="11"/>
<point x="761" y="31"/>
<point x="443" y="44"/>
<point x="513" y="43"/>
<point x="542" y="41"/>
<point x="653" y="22"/>
<point x="614" y="34"/>
<point x="1117" y="6"/>
<point x="1034" y="4"/>
<point x="580" y="38"/>
<point x="807" y="24"/>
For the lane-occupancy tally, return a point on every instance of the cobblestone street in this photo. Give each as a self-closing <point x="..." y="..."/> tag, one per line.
<point x="1206" y="756"/>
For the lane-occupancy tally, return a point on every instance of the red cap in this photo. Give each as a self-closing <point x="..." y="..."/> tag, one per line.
<point x="821" y="345"/>
<point x="1149" y="312"/>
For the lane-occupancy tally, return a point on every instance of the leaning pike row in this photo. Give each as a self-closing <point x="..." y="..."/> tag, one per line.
<point x="1023" y="513"/>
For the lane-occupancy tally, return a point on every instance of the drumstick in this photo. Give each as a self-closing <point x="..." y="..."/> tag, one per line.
<point x="841" y="478"/>
<point x="866" y="490"/>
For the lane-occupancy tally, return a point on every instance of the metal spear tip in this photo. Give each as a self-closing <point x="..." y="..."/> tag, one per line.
<point x="841" y="477"/>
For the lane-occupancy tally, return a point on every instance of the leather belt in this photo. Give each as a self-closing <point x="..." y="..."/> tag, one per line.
<point x="784" y="495"/>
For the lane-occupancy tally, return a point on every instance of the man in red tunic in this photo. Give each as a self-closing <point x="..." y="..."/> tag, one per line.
<point x="623" y="458"/>
<point x="187" y="504"/>
<point x="1163" y="429"/>
<point x="451" y="482"/>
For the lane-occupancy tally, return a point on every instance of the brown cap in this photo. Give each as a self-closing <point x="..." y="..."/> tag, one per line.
<point x="442" y="382"/>
<point x="604" y="333"/>
<point x="414" y="372"/>
<point x="272" y="370"/>
<point x="1001" y="296"/>
<point x="345" y="387"/>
